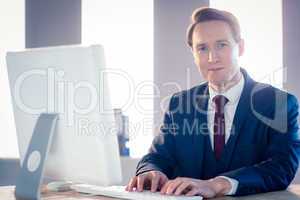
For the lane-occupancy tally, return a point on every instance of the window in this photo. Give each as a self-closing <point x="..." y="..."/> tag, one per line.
<point x="261" y="25"/>
<point x="125" y="29"/>
<point x="12" y="22"/>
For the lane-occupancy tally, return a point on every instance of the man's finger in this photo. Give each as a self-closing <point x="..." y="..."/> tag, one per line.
<point x="155" y="182"/>
<point x="140" y="183"/>
<point x="131" y="184"/>
<point x="162" y="181"/>
<point x="182" y="187"/>
<point x="165" y="187"/>
<point x="173" y="186"/>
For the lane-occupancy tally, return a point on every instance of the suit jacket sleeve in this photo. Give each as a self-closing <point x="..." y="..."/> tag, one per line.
<point x="161" y="154"/>
<point x="280" y="161"/>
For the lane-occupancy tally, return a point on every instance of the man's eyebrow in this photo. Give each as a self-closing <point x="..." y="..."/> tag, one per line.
<point x="204" y="44"/>
<point x="200" y="45"/>
<point x="223" y="40"/>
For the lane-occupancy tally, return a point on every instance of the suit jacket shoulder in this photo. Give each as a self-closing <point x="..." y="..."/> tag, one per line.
<point x="185" y="100"/>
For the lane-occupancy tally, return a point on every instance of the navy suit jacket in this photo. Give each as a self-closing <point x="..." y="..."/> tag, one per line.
<point x="262" y="152"/>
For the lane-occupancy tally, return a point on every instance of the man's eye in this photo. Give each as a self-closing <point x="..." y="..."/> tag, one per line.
<point x="202" y="48"/>
<point x="221" y="45"/>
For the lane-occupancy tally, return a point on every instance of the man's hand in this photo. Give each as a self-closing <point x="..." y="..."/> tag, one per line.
<point x="151" y="179"/>
<point x="191" y="187"/>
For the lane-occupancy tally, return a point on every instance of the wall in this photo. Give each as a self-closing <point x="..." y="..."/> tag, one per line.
<point x="291" y="45"/>
<point x="55" y="22"/>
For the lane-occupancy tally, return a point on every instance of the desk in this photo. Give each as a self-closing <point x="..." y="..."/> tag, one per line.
<point x="293" y="193"/>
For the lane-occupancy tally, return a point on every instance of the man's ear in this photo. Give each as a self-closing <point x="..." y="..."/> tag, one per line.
<point x="193" y="53"/>
<point x="241" y="47"/>
<point x="191" y="49"/>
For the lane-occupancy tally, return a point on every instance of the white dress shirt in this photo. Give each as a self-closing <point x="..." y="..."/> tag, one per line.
<point x="233" y="95"/>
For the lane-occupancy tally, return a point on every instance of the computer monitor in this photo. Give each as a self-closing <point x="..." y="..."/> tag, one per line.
<point x="70" y="81"/>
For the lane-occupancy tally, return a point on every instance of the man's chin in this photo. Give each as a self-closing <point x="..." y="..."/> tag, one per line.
<point x="217" y="82"/>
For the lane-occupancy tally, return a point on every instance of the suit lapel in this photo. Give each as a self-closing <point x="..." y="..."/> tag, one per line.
<point x="200" y="115"/>
<point x="240" y="116"/>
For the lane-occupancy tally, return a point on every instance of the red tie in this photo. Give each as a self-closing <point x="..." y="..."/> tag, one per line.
<point x="219" y="125"/>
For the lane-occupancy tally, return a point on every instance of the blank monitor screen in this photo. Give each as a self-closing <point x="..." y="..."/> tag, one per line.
<point x="69" y="80"/>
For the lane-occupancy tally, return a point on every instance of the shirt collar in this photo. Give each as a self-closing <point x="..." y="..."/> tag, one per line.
<point x="233" y="94"/>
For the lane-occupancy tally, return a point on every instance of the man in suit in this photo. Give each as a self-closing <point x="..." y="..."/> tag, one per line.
<point x="228" y="136"/>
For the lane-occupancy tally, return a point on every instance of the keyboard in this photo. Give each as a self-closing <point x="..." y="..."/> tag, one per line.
<point x="120" y="192"/>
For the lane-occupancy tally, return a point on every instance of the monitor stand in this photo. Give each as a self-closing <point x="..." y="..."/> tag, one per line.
<point x="31" y="174"/>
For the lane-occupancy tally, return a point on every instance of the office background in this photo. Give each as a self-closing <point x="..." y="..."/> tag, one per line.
<point x="59" y="22"/>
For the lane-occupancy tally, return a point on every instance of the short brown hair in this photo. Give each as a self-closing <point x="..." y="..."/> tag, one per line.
<point x="204" y="14"/>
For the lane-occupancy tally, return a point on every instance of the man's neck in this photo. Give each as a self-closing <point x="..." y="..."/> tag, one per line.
<point x="221" y="88"/>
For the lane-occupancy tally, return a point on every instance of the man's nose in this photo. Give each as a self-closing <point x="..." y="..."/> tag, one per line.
<point x="212" y="56"/>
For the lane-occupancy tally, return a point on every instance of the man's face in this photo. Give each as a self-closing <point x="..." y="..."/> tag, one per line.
<point x="216" y="52"/>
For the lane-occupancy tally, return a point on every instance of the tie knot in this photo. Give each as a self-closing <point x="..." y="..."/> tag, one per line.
<point x="220" y="101"/>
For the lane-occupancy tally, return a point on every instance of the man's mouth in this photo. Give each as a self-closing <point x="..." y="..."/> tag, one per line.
<point x="216" y="69"/>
